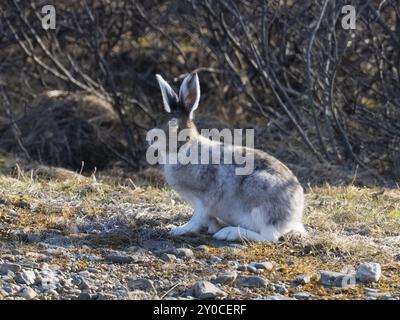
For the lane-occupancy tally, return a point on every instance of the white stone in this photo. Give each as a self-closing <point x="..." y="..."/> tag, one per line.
<point x="369" y="272"/>
<point x="226" y="278"/>
<point x="206" y="290"/>
<point x="266" y="265"/>
<point x="28" y="276"/>
<point x="27" y="293"/>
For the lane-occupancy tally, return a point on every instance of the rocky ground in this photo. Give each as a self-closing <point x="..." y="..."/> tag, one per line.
<point x="64" y="236"/>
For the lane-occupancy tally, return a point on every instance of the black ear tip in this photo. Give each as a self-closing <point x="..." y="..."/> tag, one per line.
<point x="192" y="77"/>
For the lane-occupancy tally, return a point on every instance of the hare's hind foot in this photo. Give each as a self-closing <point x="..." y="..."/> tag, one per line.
<point x="214" y="225"/>
<point x="238" y="233"/>
<point x="193" y="226"/>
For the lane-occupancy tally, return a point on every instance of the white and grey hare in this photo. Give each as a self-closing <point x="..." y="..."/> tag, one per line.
<point x="260" y="206"/>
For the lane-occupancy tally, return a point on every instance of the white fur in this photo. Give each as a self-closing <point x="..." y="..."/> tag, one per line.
<point x="213" y="226"/>
<point x="269" y="233"/>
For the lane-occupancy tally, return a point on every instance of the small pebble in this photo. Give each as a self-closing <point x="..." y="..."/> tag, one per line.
<point x="202" y="248"/>
<point x="27" y="293"/>
<point x="303" y="295"/>
<point x="184" y="253"/>
<point x="303" y="279"/>
<point x="167" y="257"/>
<point x="335" y="279"/>
<point x="141" y="284"/>
<point x="6" y="267"/>
<point x="226" y="278"/>
<point x="251" y="282"/>
<point x="266" y="265"/>
<point x="84" y="296"/>
<point x="253" y="269"/>
<point x="215" y="259"/>
<point x="280" y="288"/>
<point x="120" y="259"/>
<point x="242" y="268"/>
<point x="206" y="290"/>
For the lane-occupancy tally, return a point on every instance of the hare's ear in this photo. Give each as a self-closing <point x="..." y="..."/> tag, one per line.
<point x="170" y="98"/>
<point x="189" y="94"/>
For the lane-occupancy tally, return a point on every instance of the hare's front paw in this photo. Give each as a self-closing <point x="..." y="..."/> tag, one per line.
<point x="178" y="231"/>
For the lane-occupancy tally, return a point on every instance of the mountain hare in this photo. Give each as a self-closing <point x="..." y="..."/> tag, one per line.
<point x="260" y="206"/>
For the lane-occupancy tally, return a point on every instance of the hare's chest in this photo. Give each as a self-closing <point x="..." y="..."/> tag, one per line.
<point x="180" y="181"/>
<point x="175" y="176"/>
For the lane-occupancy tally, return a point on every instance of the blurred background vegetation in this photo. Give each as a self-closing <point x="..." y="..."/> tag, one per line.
<point x="323" y="99"/>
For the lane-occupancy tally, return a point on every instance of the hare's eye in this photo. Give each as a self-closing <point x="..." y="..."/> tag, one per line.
<point x="173" y="123"/>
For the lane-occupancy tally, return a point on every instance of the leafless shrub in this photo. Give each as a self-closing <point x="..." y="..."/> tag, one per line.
<point x="68" y="129"/>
